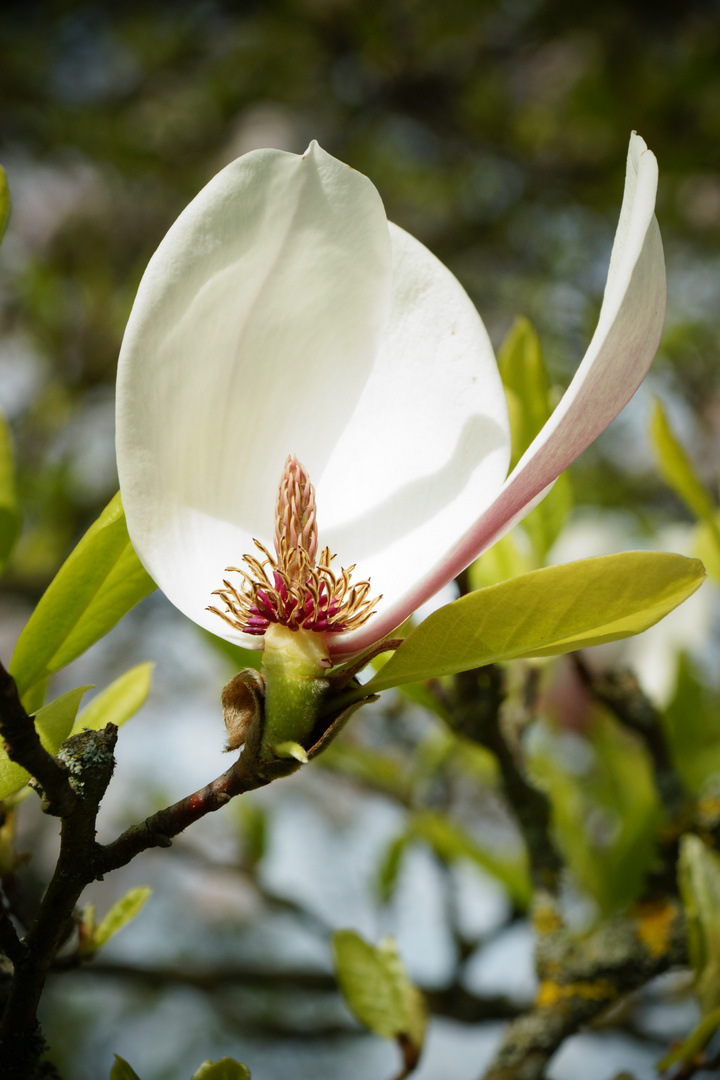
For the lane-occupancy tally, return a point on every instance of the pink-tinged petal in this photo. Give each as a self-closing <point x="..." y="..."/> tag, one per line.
<point x="618" y="358"/>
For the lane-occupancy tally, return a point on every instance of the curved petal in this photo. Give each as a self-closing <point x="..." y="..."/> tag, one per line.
<point x="428" y="444"/>
<point x="254" y="331"/>
<point x="619" y="355"/>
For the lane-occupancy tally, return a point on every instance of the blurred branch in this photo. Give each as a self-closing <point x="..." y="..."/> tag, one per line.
<point x="620" y="691"/>
<point x="273" y="901"/>
<point x="10" y="943"/>
<point x="580" y="977"/>
<point x="452" y="1001"/>
<point x="480" y="694"/>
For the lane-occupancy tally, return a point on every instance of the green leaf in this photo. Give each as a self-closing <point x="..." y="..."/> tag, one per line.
<point x="502" y="561"/>
<point x="696" y="1041"/>
<point x="390" y="864"/>
<point x="99" y="582"/>
<point x="545" y="612"/>
<point x="450" y="842"/>
<point x="691" y="723"/>
<point x="9" y="510"/>
<point x="679" y="473"/>
<point x="370" y="767"/>
<point x="238" y="657"/>
<point x="253" y="822"/>
<point x="224" y="1069"/>
<point x="53" y="723"/>
<point x="699" y="881"/>
<point x="4" y="202"/>
<point x="119" y="701"/>
<point x="122" y="1071"/>
<point x="544" y="524"/>
<point x="605" y="808"/>
<point x="530" y="404"/>
<point x="119" y="915"/>
<point x="376" y="988"/>
<point x="706" y="547"/>
<point x="527" y="385"/>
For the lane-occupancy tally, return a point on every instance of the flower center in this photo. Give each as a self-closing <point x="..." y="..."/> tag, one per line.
<point x="294" y="587"/>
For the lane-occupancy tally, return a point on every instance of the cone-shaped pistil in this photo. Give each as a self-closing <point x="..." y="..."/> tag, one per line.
<point x="294" y="588"/>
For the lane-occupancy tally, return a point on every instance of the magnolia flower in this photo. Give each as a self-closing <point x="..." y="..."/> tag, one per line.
<point x="283" y="319"/>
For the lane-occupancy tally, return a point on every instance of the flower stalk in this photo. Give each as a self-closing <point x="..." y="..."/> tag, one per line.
<point x="293" y="664"/>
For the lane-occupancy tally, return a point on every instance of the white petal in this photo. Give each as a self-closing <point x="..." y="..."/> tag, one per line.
<point x="253" y="333"/>
<point x="428" y="444"/>
<point x="619" y="355"/>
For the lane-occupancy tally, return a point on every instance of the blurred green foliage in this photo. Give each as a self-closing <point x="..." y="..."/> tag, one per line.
<point x="495" y="131"/>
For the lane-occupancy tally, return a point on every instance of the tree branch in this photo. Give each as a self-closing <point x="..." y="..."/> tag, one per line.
<point x="23" y="746"/>
<point x="10" y="943"/>
<point x="580" y="977"/>
<point x="453" y="1001"/>
<point x="480" y="696"/>
<point x="158" y="830"/>
<point x="90" y="764"/>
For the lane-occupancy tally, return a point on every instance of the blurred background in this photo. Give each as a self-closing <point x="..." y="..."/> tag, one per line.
<point x="496" y="132"/>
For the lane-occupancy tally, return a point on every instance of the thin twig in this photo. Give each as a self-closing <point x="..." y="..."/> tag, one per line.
<point x="159" y="829"/>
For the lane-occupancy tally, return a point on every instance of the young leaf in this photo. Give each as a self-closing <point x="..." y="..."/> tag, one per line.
<point x="96" y="585"/>
<point x="377" y="990"/>
<point x="679" y="473"/>
<point x="238" y="657"/>
<point x="53" y="723"/>
<point x="389" y="868"/>
<point x="450" y="842"/>
<point x="530" y="405"/>
<point x="224" y="1069"/>
<point x="502" y="561"/>
<point x="122" y="1071"/>
<point x="119" y="701"/>
<point x="706" y="547"/>
<point x="691" y="723"/>
<point x="4" y="202"/>
<point x="606" y="811"/>
<point x="544" y="524"/>
<point x="526" y="383"/>
<point x="370" y="767"/>
<point x="9" y="510"/>
<point x="690" y="1048"/>
<point x="119" y="915"/>
<point x="549" y="611"/>
<point x="699" y="881"/>
<point x="253" y="826"/>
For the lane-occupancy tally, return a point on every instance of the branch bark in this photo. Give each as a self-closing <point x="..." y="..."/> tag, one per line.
<point x="90" y="762"/>
<point x="23" y="746"/>
<point x="582" y="976"/>
<point x="480" y="694"/>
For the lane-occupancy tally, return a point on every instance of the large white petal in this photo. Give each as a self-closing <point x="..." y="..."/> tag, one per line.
<point x="619" y="355"/>
<point x="254" y="331"/>
<point x="428" y="443"/>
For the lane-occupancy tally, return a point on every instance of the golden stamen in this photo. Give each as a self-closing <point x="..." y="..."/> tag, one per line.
<point x="291" y="587"/>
